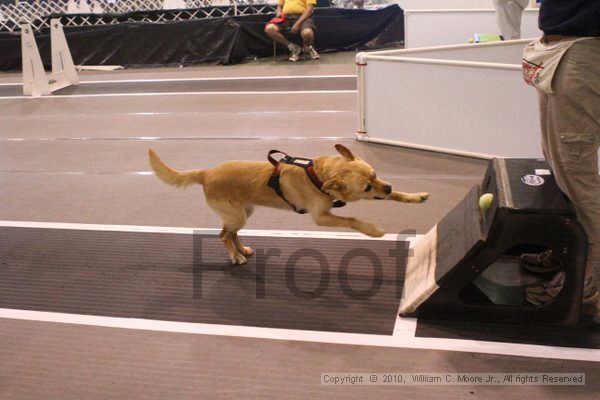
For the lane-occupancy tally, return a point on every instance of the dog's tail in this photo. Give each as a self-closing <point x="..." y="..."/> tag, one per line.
<point x="174" y="177"/>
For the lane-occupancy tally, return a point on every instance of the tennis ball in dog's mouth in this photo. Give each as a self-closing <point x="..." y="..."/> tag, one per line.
<point x="485" y="201"/>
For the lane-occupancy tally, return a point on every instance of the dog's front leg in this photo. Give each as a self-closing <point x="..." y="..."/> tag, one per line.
<point x="328" y="219"/>
<point x="408" y="197"/>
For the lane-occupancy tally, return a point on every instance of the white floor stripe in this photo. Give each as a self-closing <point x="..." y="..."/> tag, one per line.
<point x="155" y="138"/>
<point x="403" y="339"/>
<point x="179" y="114"/>
<point x="225" y="78"/>
<point x="208" y="231"/>
<point x="252" y="93"/>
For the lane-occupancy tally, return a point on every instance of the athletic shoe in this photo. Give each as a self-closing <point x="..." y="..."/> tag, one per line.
<point x="544" y="293"/>
<point x="540" y="263"/>
<point x="295" y="52"/>
<point x="309" y="50"/>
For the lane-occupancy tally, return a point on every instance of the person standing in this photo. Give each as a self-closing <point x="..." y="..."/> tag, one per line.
<point x="508" y="17"/>
<point x="564" y="65"/>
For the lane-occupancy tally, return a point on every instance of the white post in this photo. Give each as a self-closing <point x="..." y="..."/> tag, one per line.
<point x="97" y="8"/>
<point x="361" y="63"/>
<point x="72" y="7"/>
<point x="174" y="4"/>
<point x="35" y="82"/>
<point x="63" y="67"/>
<point x="84" y="7"/>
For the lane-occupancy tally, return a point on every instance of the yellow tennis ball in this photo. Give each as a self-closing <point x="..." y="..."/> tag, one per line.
<point x="471" y="40"/>
<point x="485" y="201"/>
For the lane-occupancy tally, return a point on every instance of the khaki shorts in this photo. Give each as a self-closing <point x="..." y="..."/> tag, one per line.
<point x="290" y="20"/>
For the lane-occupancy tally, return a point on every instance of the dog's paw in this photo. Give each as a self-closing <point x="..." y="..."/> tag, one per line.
<point x="409" y="197"/>
<point x="247" y="251"/>
<point x="420" y="197"/>
<point x="372" y="230"/>
<point x="238" y="259"/>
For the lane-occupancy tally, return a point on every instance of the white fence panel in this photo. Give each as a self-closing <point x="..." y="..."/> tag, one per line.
<point x="443" y="4"/>
<point x="423" y="28"/>
<point x="460" y="105"/>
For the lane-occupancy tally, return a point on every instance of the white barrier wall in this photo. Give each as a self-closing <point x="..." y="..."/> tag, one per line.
<point x="424" y="28"/>
<point x="448" y="4"/>
<point x="465" y="99"/>
<point x="443" y="4"/>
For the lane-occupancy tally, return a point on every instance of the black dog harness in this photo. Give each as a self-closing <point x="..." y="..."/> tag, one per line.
<point x="306" y="164"/>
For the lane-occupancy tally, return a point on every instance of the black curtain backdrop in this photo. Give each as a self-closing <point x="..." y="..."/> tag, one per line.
<point x="218" y="40"/>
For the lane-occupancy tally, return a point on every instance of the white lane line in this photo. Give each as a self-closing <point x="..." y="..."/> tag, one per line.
<point x="226" y="113"/>
<point x="225" y="78"/>
<point x="157" y="138"/>
<point x="406" y="339"/>
<point x="252" y="93"/>
<point x="208" y="231"/>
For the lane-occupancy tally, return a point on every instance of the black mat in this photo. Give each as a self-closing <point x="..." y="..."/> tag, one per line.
<point x="135" y="43"/>
<point x="588" y="338"/>
<point x="182" y="277"/>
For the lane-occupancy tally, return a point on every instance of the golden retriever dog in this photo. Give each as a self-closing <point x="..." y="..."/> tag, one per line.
<point x="234" y="188"/>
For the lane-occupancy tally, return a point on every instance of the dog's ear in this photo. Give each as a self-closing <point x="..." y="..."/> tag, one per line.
<point x="334" y="185"/>
<point x="343" y="150"/>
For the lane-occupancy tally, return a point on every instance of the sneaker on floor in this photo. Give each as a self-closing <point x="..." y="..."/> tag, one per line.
<point x="544" y="293"/>
<point x="540" y="263"/>
<point x="295" y="52"/>
<point x="309" y="50"/>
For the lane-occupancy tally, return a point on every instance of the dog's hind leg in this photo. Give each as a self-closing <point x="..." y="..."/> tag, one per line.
<point x="227" y="237"/>
<point x="245" y="250"/>
<point x="234" y="218"/>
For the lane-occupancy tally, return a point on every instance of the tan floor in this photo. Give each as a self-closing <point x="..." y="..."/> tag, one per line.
<point x="77" y="159"/>
<point x="57" y="361"/>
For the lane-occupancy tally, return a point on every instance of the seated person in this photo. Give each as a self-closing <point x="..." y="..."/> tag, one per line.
<point x="296" y="18"/>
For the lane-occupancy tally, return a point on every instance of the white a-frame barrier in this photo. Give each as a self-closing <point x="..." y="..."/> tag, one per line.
<point x="35" y="81"/>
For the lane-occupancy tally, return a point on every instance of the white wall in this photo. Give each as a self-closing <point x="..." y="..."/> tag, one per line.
<point x="454" y="105"/>
<point x="447" y="4"/>
<point x="424" y="28"/>
<point x="443" y="4"/>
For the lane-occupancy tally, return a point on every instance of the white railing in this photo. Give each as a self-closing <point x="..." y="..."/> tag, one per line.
<point x="36" y="12"/>
<point x="467" y="99"/>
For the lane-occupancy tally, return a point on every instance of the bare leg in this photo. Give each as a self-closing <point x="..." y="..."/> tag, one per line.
<point x="273" y="32"/>
<point x="307" y="36"/>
